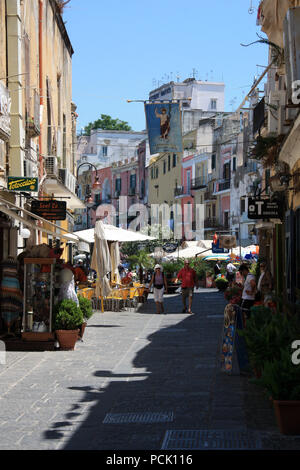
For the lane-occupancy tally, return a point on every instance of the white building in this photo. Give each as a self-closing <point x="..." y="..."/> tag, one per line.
<point x="205" y="96"/>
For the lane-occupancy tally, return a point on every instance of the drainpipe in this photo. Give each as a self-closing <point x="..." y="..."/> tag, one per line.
<point x="41" y="169"/>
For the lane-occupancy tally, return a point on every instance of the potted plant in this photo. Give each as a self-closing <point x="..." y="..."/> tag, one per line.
<point x="281" y="379"/>
<point x="85" y="306"/>
<point x="67" y="320"/>
<point x="221" y="284"/>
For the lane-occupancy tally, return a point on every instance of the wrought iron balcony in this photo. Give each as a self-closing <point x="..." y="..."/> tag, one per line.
<point x="182" y="191"/>
<point x="214" y="223"/>
<point x="131" y="191"/>
<point x="198" y="183"/>
<point x="224" y="185"/>
<point x="208" y="196"/>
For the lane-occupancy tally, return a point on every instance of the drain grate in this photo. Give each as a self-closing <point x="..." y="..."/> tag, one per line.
<point x="143" y="418"/>
<point x="210" y="439"/>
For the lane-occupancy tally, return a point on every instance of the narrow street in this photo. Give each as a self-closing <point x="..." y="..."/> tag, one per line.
<point x="138" y="381"/>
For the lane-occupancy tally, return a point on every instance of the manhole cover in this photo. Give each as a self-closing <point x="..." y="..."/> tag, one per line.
<point x="210" y="439"/>
<point x="145" y="417"/>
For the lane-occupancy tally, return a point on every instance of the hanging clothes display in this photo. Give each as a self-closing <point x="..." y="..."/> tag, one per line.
<point x="11" y="297"/>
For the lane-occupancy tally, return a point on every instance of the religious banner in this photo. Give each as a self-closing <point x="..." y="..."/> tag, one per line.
<point x="164" y="127"/>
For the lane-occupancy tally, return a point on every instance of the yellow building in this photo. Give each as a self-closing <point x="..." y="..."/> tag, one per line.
<point x="41" y="144"/>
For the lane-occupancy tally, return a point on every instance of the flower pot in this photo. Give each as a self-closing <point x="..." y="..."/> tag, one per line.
<point x="81" y="329"/>
<point x="67" y="338"/>
<point x="288" y="416"/>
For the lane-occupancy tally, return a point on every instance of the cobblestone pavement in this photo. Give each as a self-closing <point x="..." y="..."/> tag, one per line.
<point x="138" y="381"/>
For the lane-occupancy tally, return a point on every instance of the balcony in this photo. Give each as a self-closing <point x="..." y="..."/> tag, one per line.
<point x="181" y="191"/>
<point x="131" y="191"/>
<point x="198" y="183"/>
<point x="208" y="196"/>
<point x="214" y="223"/>
<point x="224" y="185"/>
<point x="33" y="122"/>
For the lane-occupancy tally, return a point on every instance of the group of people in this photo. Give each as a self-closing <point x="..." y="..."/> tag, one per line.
<point x="188" y="279"/>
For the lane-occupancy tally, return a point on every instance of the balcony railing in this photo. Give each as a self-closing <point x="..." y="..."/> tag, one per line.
<point x="214" y="223"/>
<point x="223" y="185"/>
<point x="131" y="191"/>
<point x="208" y="196"/>
<point x="198" y="183"/>
<point x="182" y="191"/>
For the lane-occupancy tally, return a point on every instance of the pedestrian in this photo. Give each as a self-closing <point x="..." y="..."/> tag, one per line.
<point x="230" y="273"/>
<point x="265" y="282"/>
<point x="217" y="269"/>
<point x="249" y="290"/>
<point x="160" y="287"/>
<point x="189" y="280"/>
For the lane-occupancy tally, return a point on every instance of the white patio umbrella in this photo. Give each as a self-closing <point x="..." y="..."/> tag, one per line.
<point x="101" y="262"/>
<point x="115" y="261"/>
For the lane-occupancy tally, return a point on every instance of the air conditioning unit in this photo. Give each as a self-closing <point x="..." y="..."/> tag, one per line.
<point x="51" y="165"/>
<point x="291" y="39"/>
<point x="275" y="106"/>
<point x="68" y="179"/>
<point x="227" y="241"/>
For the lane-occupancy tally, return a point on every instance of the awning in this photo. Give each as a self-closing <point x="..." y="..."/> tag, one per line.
<point x="114" y="234"/>
<point x="53" y="186"/>
<point x="9" y="208"/>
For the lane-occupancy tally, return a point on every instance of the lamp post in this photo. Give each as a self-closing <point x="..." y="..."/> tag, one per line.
<point x="96" y="189"/>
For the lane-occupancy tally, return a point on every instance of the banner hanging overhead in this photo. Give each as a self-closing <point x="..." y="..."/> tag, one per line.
<point x="164" y="127"/>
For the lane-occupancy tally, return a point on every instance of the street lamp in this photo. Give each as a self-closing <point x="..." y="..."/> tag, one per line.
<point x="96" y="187"/>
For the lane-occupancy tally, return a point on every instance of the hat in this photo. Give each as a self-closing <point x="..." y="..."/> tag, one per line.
<point x="158" y="266"/>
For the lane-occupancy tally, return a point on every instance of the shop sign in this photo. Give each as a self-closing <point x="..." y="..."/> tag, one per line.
<point x="215" y="248"/>
<point x="170" y="247"/>
<point x="263" y="209"/>
<point x="19" y="183"/>
<point x="5" y="104"/>
<point x="50" y="210"/>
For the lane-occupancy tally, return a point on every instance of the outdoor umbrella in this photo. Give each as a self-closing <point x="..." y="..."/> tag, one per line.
<point x="115" y="262"/>
<point x="101" y="262"/>
<point x="217" y="257"/>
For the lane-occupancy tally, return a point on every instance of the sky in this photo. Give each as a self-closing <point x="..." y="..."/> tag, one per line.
<point x="123" y="49"/>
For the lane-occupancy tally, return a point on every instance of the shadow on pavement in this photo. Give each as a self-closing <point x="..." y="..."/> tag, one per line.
<point x="167" y="386"/>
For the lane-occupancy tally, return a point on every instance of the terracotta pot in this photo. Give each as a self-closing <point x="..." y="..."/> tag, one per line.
<point x="288" y="416"/>
<point x="81" y="329"/>
<point x="67" y="338"/>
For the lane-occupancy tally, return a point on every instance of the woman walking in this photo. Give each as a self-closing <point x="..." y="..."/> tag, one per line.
<point x="159" y="288"/>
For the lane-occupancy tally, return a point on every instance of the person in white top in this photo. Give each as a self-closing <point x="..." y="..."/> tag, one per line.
<point x="249" y="291"/>
<point x="230" y="272"/>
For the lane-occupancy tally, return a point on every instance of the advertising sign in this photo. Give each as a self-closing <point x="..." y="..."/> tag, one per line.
<point x="19" y="183"/>
<point x="164" y="127"/>
<point x="263" y="209"/>
<point x="50" y="210"/>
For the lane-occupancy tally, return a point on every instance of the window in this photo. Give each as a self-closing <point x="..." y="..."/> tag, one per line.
<point x="165" y="166"/>
<point x="213" y="103"/>
<point x="234" y="164"/>
<point x="169" y="162"/>
<point x="156" y="172"/>
<point x="152" y="173"/>
<point x="226" y="171"/>
<point x="133" y="181"/>
<point x="242" y="205"/>
<point x="104" y="151"/>
<point x="174" y="159"/>
<point x="118" y="184"/>
<point x="213" y="161"/>
<point x="267" y="181"/>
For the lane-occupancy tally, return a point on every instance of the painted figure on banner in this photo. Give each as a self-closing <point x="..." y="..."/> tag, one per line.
<point x="164" y="122"/>
<point x="164" y="127"/>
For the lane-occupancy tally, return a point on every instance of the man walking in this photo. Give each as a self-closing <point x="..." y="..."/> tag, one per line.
<point x="249" y="291"/>
<point x="189" y="280"/>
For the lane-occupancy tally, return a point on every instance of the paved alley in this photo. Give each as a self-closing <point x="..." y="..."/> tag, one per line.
<point x="138" y="381"/>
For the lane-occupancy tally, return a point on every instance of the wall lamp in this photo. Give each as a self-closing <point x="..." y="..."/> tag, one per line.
<point x="96" y="187"/>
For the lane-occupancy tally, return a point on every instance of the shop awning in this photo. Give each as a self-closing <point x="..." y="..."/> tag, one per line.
<point x="10" y="209"/>
<point x="53" y="186"/>
<point x="114" y="234"/>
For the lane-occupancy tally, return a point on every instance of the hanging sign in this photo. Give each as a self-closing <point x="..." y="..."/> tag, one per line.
<point x="263" y="209"/>
<point x="50" y="210"/>
<point x="164" y="127"/>
<point x="20" y="183"/>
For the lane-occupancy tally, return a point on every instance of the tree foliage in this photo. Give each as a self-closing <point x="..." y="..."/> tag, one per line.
<point x="106" y="122"/>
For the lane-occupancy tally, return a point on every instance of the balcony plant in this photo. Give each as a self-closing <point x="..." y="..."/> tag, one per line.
<point x="85" y="306"/>
<point x="67" y="320"/>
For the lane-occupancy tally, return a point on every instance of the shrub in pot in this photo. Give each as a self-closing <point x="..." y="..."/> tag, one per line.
<point x="85" y="306"/>
<point x="221" y="283"/>
<point x="67" y="320"/>
<point x="281" y="380"/>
